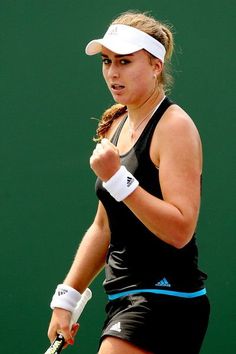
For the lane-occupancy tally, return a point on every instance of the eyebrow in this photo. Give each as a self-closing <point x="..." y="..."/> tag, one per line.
<point x="118" y="55"/>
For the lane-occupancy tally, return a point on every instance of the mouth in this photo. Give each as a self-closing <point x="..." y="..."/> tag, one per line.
<point x="117" y="87"/>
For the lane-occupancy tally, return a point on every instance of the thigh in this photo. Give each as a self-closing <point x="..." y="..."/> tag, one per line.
<point x="113" y="345"/>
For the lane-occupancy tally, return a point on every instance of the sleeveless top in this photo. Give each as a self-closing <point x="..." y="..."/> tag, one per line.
<point x="137" y="260"/>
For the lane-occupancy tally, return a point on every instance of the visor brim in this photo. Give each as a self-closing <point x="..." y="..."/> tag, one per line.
<point x="116" y="46"/>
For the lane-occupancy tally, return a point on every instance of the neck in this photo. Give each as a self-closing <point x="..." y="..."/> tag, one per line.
<point x="144" y="111"/>
<point x="135" y="128"/>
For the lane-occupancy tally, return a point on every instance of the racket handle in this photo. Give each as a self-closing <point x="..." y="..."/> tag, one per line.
<point x="58" y="343"/>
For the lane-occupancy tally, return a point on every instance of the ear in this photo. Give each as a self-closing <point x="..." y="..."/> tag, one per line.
<point x="157" y="66"/>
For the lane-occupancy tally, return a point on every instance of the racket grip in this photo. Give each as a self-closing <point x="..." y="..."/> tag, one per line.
<point x="57" y="345"/>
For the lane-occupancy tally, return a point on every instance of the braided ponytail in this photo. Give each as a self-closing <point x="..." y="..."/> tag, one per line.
<point x="107" y="119"/>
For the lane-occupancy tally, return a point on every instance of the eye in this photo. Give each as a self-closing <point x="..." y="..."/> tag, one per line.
<point x="106" y="61"/>
<point x="124" y="61"/>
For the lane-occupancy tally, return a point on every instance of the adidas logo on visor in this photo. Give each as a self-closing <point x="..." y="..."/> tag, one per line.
<point x="113" y="31"/>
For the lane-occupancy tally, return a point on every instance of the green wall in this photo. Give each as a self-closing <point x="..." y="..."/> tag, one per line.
<point x="49" y="90"/>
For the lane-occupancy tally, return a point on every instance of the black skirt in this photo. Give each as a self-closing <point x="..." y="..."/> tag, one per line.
<point x="158" y="323"/>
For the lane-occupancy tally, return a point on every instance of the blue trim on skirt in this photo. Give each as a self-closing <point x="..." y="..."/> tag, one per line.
<point x="158" y="291"/>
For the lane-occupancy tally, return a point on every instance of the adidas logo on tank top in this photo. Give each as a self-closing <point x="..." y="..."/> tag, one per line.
<point x="164" y="283"/>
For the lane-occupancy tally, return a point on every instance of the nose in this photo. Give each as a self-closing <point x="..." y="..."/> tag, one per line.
<point x="113" y="71"/>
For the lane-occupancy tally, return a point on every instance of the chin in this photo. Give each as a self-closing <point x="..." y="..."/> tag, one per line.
<point x="121" y="100"/>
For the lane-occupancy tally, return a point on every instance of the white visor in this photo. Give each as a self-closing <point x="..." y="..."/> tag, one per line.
<point x="122" y="39"/>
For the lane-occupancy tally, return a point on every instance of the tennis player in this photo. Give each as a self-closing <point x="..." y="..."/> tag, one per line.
<point x="148" y="163"/>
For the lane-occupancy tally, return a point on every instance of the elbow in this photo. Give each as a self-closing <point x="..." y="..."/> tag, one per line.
<point x="180" y="243"/>
<point x="184" y="229"/>
<point x="181" y="236"/>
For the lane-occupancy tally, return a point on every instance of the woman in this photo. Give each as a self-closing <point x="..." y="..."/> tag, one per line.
<point x="148" y="161"/>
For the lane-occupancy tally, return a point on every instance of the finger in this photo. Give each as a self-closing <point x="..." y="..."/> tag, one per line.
<point x="74" y="329"/>
<point x="73" y="332"/>
<point x="67" y="339"/>
<point x="105" y="140"/>
<point x="66" y="333"/>
<point x="52" y="332"/>
<point x="107" y="144"/>
<point x="98" y="149"/>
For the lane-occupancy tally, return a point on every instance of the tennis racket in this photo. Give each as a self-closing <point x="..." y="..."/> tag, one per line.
<point x="58" y="343"/>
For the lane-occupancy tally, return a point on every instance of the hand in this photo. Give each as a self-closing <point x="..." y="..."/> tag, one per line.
<point x="105" y="160"/>
<point x="60" y="323"/>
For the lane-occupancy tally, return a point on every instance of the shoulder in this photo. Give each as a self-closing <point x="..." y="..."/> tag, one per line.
<point x="175" y="131"/>
<point x="176" y="123"/>
<point x="177" y="118"/>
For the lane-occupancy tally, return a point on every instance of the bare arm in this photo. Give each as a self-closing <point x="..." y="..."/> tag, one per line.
<point x="88" y="262"/>
<point x="174" y="218"/>
<point x="91" y="254"/>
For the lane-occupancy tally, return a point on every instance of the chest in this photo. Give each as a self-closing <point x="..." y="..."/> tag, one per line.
<point x="138" y="142"/>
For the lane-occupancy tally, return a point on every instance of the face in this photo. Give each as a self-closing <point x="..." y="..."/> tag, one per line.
<point x="130" y="78"/>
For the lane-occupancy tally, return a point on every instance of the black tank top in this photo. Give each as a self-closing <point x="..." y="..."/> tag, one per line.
<point x="137" y="259"/>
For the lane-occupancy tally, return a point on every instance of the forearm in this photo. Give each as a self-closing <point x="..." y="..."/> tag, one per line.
<point x="88" y="262"/>
<point x="89" y="259"/>
<point x="162" y="218"/>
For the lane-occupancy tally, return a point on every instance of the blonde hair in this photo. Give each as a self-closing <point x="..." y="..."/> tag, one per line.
<point x="160" y="31"/>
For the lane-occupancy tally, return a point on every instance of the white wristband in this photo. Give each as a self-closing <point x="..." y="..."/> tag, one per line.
<point x="121" y="184"/>
<point x="65" y="297"/>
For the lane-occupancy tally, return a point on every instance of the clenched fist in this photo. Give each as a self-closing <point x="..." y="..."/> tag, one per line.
<point x="105" y="160"/>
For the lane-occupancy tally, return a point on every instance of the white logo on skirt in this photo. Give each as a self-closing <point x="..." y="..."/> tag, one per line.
<point x="116" y="327"/>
